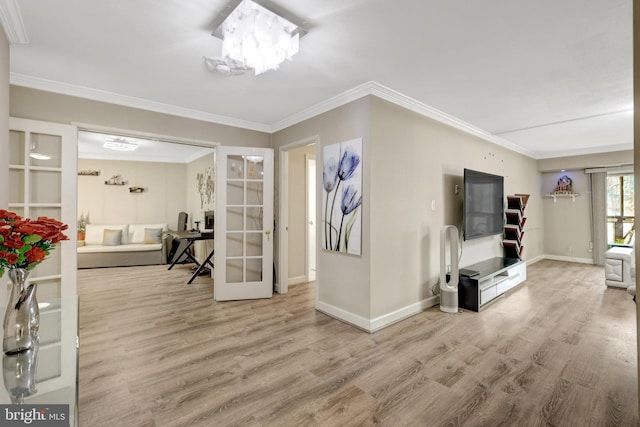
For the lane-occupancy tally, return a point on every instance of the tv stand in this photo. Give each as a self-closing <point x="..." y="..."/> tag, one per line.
<point x="494" y="277"/>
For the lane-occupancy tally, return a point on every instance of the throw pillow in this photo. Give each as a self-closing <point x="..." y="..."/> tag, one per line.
<point x="111" y="237"/>
<point x="152" y="235"/>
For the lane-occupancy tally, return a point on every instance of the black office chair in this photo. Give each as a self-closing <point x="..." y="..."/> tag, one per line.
<point x="178" y="245"/>
<point x="183" y="221"/>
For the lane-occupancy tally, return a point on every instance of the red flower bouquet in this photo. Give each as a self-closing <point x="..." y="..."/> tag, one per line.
<point x="24" y="243"/>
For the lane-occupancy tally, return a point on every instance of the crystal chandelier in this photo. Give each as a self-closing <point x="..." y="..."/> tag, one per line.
<point x="258" y="38"/>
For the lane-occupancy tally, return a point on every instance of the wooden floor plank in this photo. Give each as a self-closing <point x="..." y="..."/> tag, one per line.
<point x="558" y="350"/>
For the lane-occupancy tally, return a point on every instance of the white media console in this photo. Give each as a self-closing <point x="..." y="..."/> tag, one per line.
<point x="483" y="282"/>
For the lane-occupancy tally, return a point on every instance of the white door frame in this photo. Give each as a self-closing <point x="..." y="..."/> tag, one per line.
<point x="311" y="216"/>
<point x="282" y="285"/>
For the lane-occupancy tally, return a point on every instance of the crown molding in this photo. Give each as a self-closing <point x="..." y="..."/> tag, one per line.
<point x="11" y="21"/>
<point x="376" y="89"/>
<point x="370" y="88"/>
<point x="130" y="101"/>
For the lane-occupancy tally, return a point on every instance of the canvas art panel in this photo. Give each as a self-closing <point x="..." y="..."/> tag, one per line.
<point x="342" y="197"/>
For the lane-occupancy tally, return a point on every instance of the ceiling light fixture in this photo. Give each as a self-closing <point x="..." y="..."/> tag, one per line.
<point x="39" y="156"/>
<point x="120" y="145"/>
<point x="35" y="154"/>
<point x="257" y="38"/>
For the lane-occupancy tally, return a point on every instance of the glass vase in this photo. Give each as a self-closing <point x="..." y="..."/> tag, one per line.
<point x="22" y="317"/>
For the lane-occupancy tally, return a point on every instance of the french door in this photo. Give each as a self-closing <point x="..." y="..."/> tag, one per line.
<point x="43" y="164"/>
<point x="243" y="224"/>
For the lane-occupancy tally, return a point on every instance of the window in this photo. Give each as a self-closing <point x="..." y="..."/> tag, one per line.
<point x="620" y="210"/>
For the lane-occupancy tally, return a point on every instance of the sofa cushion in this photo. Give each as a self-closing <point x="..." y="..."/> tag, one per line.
<point x="94" y="233"/>
<point x="136" y="231"/>
<point x="111" y="237"/>
<point x="152" y="235"/>
<point x="92" y="249"/>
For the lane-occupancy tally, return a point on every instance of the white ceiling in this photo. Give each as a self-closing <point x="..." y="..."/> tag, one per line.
<point x="91" y="146"/>
<point x="552" y="77"/>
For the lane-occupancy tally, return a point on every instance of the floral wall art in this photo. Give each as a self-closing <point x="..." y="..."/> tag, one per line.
<point x="342" y="197"/>
<point x="205" y="185"/>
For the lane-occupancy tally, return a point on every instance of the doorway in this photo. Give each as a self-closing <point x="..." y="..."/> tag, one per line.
<point x="298" y="214"/>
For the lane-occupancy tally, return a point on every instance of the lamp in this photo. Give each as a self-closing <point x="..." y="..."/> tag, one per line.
<point x="119" y="144"/>
<point x="257" y="38"/>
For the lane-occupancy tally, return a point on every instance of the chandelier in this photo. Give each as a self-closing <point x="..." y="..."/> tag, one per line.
<point x="257" y="38"/>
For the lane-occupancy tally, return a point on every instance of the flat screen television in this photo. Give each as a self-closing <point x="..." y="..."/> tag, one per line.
<point x="483" y="204"/>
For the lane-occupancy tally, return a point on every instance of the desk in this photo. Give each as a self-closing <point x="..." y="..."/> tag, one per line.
<point x="52" y="367"/>
<point x="191" y="238"/>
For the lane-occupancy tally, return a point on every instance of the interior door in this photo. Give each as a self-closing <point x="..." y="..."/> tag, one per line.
<point x="244" y="224"/>
<point x="43" y="168"/>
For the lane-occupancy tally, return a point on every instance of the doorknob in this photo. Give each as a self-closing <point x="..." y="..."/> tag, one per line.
<point x="310" y="222"/>
<point x="268" y="233"/>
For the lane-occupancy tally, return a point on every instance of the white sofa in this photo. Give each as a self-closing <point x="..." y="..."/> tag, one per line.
<point x="118" y="245"/>
<point x="618" y="266"/>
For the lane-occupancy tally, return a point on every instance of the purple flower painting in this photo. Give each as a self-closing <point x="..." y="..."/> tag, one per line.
<point x="342" y="198"/>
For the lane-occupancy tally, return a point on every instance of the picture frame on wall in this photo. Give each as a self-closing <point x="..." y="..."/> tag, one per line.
<point x="342" y="197"/>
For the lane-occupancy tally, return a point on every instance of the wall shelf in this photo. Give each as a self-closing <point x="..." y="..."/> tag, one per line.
<point x="561" y="195"/>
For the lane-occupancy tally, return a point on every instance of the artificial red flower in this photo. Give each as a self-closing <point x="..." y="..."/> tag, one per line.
<point x="41" y="235"/>
<point x="35" y="254"/>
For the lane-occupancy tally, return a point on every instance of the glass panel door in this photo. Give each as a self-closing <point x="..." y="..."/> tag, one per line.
<point x="42" y="182"/>
<point x="244" y="240"/>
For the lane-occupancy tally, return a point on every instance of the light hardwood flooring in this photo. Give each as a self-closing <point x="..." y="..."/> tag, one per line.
<point x="560" y="350"/>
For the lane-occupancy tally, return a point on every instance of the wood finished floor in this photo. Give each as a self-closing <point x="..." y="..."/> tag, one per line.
<point x="560" y="350"/>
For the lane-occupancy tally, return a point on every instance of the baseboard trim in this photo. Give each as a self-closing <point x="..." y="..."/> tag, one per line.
<point x="569" y="259"/>
<point x="379" y="322"/>
<point x="402" y="313"/>
<point x="296" y="280"/>
<point x="534" y="260"/>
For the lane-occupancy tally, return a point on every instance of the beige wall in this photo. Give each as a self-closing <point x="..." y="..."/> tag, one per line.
<point x="616" y="158"/>
<point x="414" y="161"/>
<point x="4" y="120"/>
<point x="567" y="223"/>
<point x="298" y="209"/>
<point x="343" y="281"/>
<point x="408" y="161"/>
<point x="47" y="106"/>
<point x="636" y="154"/>
<point x="164" y="196"/>
<point x="197" y="205"/>
<point x="4" y="142"/>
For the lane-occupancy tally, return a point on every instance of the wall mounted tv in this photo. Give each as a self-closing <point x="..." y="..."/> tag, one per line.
<point x="483" y="204"/>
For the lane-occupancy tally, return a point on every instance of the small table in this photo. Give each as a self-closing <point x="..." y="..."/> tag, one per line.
<point x="191" y="237"/>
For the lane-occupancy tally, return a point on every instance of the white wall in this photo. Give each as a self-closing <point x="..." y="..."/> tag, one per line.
<point x="164" y="196"/>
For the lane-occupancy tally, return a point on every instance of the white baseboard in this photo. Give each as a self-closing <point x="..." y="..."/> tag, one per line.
<point x="296" y="280"/>
<point x="402" y="313"/>
<point x="534" y="260"/>
<point x="380" y="322"/>
<point x="569" y="259"/>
